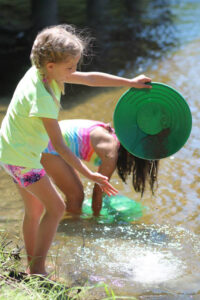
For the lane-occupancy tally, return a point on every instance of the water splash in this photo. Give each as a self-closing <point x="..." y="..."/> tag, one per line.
<point x="132" y="256"/>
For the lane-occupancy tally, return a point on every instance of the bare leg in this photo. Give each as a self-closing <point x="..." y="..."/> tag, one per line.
<point x="33" y="211"/>
<point x="43" y="232"/>
<point x="66" y="179"/>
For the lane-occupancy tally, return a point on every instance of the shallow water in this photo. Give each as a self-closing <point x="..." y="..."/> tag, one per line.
<point x="158" y="256"/>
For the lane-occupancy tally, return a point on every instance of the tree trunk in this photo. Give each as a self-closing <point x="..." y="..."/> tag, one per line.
<point x="44" y="13"/>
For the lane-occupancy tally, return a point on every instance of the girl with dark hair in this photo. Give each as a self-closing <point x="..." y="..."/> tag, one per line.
<point x="142" y="170"/>
<point x="95" y="142"/>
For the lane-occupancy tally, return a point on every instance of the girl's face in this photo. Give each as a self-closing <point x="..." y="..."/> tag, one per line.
<point x="60" y="71"/>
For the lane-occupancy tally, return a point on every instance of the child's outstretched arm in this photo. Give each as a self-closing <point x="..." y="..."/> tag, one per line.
<point x="107" y="80"/>
<point x="53" y="129"/>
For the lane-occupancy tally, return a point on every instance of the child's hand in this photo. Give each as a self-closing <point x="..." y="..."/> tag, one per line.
<point x="140" y="81"/>
<point x="105" y="186"/>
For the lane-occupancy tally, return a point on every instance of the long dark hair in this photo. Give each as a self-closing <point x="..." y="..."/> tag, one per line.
<point x="143" y="170"/>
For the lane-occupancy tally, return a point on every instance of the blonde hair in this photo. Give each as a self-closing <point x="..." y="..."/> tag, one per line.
<point x="56" y="44"/>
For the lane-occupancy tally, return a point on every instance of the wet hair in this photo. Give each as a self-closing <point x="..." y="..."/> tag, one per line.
<point x="57" y="44"/>
<point x="142" y="170"/>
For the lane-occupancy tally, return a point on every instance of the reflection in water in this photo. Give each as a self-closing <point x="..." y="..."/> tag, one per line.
<point x="127" y="30"/>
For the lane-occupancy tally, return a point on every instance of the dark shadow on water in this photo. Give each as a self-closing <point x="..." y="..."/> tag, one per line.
<point x="90" y="229"/>
<point x="126" y="34"/>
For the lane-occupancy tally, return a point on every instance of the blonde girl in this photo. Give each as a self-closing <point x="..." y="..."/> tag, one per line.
<point x="30" y="121"/>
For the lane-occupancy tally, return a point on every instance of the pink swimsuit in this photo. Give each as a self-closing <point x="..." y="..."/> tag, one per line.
<point x="76" y="134"/>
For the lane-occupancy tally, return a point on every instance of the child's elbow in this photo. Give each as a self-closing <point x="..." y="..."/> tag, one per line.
<point x="60" y="148"/>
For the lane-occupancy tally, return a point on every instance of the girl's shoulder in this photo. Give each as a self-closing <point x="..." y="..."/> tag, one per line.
<point x="31" y="84"/>
<point x="101" y="137"/>
<point x="104" y="144"/>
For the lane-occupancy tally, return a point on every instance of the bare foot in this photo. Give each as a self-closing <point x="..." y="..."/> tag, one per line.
<point x="31" y="272"/>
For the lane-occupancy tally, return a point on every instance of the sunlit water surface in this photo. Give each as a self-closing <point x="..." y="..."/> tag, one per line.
<point x="157" y="257"/>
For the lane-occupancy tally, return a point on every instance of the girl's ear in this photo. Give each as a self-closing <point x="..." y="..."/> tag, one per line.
<point x="49" y="66"/>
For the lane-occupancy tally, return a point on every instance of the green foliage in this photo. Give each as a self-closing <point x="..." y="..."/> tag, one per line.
<point x="73" y="12"/>
<point x="15" y="14"/>
<point x="111" y="295"/>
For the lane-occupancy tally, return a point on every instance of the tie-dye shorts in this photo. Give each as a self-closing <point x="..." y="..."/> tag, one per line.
<point x="22" y="175"/>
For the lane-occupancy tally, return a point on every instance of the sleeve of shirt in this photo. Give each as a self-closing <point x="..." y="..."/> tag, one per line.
<point x="44" y="107"/>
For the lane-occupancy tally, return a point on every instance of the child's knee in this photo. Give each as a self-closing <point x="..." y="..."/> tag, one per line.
<point x="57" y="208"/>
<point x="60" y="209"/>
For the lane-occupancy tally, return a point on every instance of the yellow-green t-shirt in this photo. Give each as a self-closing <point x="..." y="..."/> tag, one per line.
<point x="23" y="136"/>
